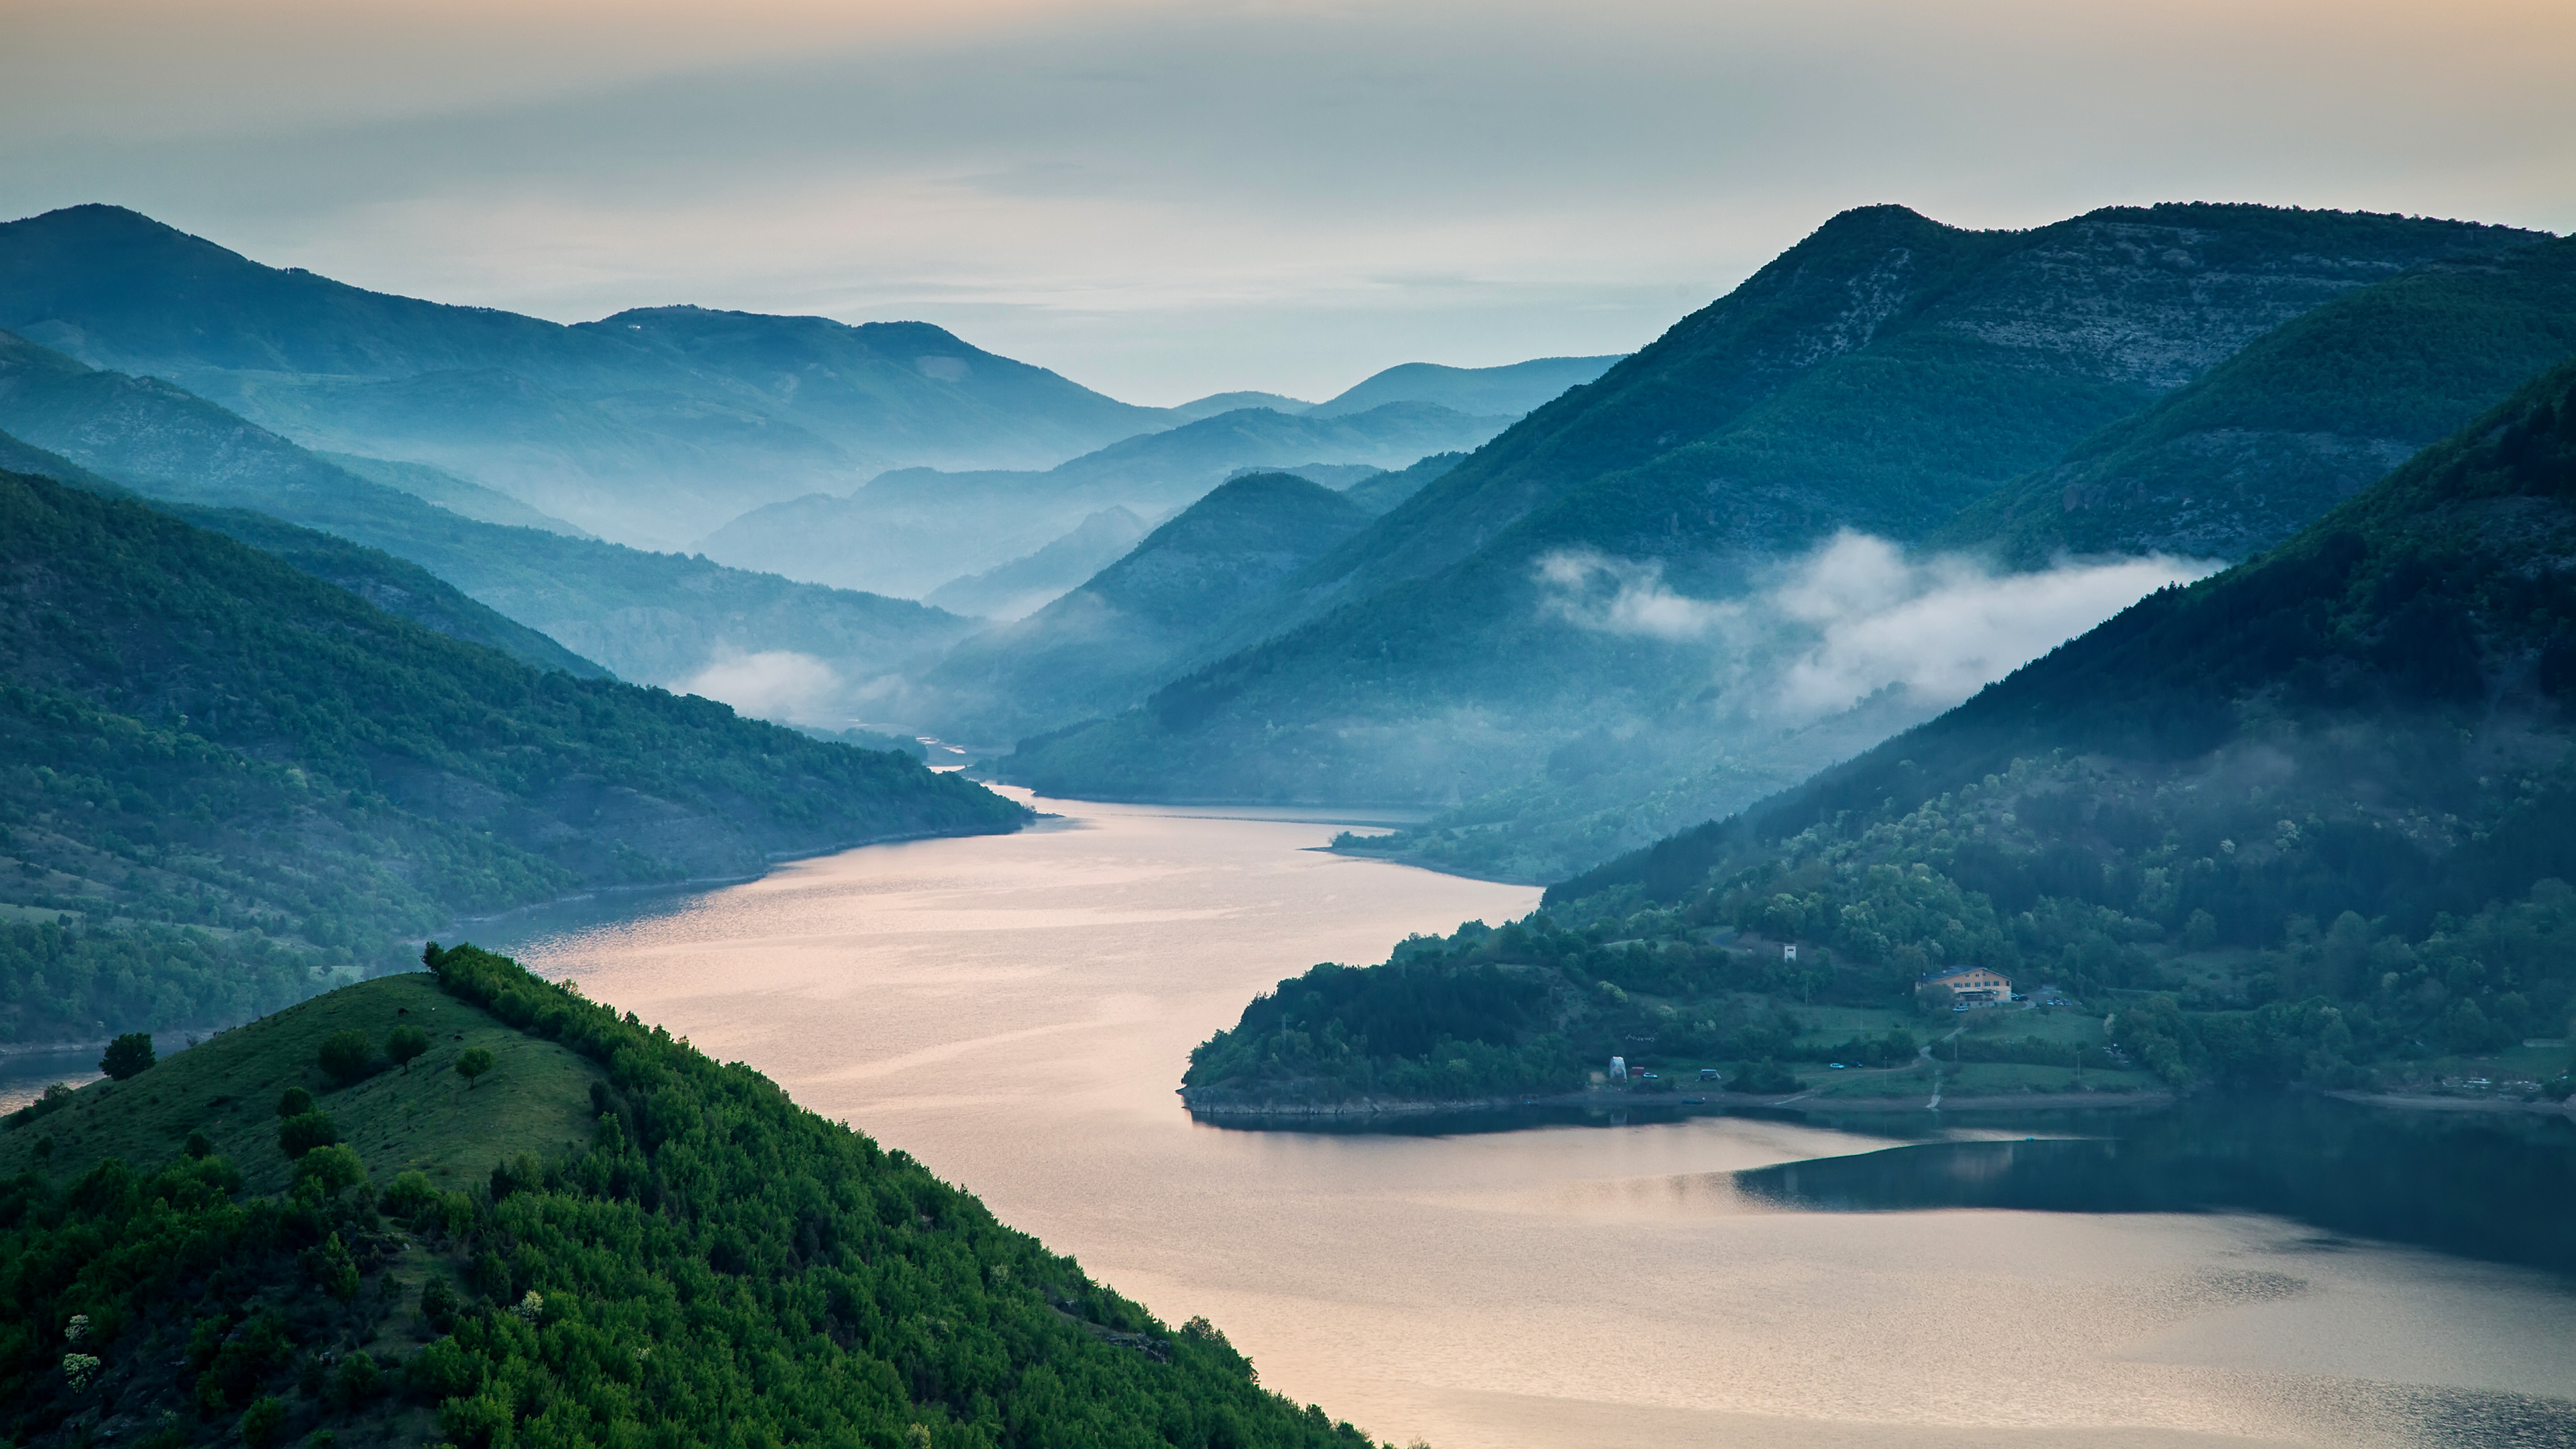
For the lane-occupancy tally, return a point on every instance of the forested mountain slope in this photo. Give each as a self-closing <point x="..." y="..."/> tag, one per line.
<point x="655" y="618"/>
<point x="2264" y="444"/>
<point x="1104" y="645"/>
<point x="1884" y="371"/>
<point x="607" y="1239"/>
<point x="1876" y="377"/>
<point x="2300" y="420"/>
<point x="455" y="494"/>
<point x="2315" y="817"/>
<point x="651" y="427"/>
<point x="397" y="586"/>
<point x="908" y="532"/>
<point x="234" y="775"/>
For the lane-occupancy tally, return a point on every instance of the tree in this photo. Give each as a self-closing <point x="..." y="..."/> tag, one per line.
<point x="405" y="1043"/>
<point x="128" y="1056"/>
<point x="473" y="1062"/>
<point x="294" y="1102"/>
<point x="261" y="1421"/>
<point x="345" y="1056"/>
<point x="332" y="1168"/>
<point x="301" y="1134"/>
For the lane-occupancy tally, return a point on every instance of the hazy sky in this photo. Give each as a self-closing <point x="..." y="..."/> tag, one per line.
<point x="1163" y="200"/>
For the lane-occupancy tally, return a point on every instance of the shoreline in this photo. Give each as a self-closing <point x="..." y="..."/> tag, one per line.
<point x="2427" y="1102"/>
<point x="1805" y="1102"/>
<point x="770" y="860"/>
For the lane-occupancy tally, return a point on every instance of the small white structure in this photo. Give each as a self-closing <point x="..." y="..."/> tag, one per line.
<point x="1618" y="1069"/>
<point x="1789" y="952"/>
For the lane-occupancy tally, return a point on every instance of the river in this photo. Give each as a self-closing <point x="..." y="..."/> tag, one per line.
<point x="1016" y="1012"/>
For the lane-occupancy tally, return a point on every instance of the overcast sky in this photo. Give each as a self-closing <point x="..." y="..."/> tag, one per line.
<point x="1164" y="200"/>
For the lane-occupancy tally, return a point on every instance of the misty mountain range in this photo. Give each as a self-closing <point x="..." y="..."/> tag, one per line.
<point x="1615" y="596"/>
<point x="911" y="531"/>
<point x="467" y="440"/>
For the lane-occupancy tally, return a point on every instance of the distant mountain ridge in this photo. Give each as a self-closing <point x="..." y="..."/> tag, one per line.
<point x="1103" y="645"/>
<point x="1508" y="391"/>
<point x="1016" y="589"/>
<point x="910" y="531"/>
<point x="652" y="423"/>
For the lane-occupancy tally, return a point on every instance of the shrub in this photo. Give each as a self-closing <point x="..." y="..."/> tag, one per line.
<point x="404" y="1044"/>
<point x="56" y="1097"/>
<point x="294" y="1102"/>
<point x="333" y="1269"/>
<point x="1765" y="1078"/>
<point x="128" y="1056"/>
<point x="357" y="1381"/>
<point x="438" y="1314"/>
<point x="199" y="1146"/>
<point x="345" y="1056"/>
<point x="410" y="1194"/>
<point x="305" y="1131"/>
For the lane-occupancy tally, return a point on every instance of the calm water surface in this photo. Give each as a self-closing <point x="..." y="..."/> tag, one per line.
<point x="1017" y="1011"/>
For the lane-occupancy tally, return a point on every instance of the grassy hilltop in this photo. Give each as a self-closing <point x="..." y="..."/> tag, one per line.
<point x="606" y="1239"/>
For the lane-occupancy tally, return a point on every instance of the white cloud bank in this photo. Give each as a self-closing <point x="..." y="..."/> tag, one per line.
<point x="775" y="684"/>
<point x="1857" y="615"/>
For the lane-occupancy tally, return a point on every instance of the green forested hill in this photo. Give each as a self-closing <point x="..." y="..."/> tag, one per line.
<point x="1103" y="645"/>
<point x="2310" y="819"/>
<point x="391" y="584"/>
<point x="606" y="1240"/>
<point x="1878" y="376"/>
<point x="397" y="586"/>
<point x="2300" y="420"/>
<point x="207" y="756"/>
<point x="657" y="618"/>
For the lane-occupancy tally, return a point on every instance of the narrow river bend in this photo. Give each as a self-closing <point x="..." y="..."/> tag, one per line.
<point x="1017" y="1011"/>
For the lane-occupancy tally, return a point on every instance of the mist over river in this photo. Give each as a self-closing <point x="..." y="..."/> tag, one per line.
<point x="1017" y="1011"/>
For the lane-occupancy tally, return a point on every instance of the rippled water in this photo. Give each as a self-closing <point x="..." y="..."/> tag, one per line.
<point x="1017" y="1012"/>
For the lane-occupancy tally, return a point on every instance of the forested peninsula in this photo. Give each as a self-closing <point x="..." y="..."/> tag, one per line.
<point x="2310" y="820"/>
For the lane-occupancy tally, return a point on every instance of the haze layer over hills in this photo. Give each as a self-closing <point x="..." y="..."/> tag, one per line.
<point x="649" y="427"/>
<point x="909" y="532"/>
<point x="1106" y="643"/>
<point x="654" y="618"/>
